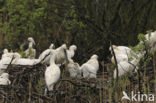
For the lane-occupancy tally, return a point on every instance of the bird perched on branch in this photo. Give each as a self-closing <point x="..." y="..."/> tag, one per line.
<point x="4" y="79"/>
<point x="125" y="67"/>
<point x="74" y="69"/>
<point x="71" y="52"/>
<point x="25" y="61"/>
<point x="122" y="53"/>
<point x="46" y="55"/>
<point x="90" y="68"/>
<point x="52" y="74"/>
<point x="30" y="52"/>
<point x="6" y="59"/>
<point x="60" y="54"/>
<point x="151" y="38"/>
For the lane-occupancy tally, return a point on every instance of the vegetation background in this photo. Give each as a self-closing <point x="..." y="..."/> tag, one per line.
<point x="89" y="24"/>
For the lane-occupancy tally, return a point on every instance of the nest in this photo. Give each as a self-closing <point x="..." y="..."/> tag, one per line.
<point x="24" y="80"/>
<point x="28" y="85"/>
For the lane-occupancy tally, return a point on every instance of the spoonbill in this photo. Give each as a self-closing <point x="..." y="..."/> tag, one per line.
<point x="90" y="68"/>
<point x="52" y="74"/>
<point x="30" y="52"/>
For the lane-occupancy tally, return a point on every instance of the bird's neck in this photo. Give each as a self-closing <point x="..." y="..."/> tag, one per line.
<point x="30" y="44"/>
<point x="52" y="60"/>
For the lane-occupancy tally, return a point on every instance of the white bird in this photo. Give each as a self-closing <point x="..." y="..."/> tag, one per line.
<point x="4" y="79"/>
<point x="120" y="49"/>
<point x="90" y="68"/>
<point x="127" y="60"/>
<point x="25" y="61"/>
<point x="7" y="57"/>
<point x="46" y="53"/>
<point x="52" y="46"/>
<point x="71" y="52"/>
<point x="17" y="55"/>
<point x="30" y="52"/>
<point x="125" y="67"/>
<point x="119" y="58"/>
<point x="60" y="54"/>
<point x="6" y="60"/>
<point x="122" y="53"/>
<point x="151" y="38"/>
<point x="74" y="69"/>
<point x="52" y="74"/>
<point x="6" y="53"/>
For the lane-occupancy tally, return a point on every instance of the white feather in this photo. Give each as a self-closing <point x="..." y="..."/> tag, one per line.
<point x="45" y="53"/>
<point x="90" y="68"/>
<point x="71" y="52"/>
<point x="74" y="69"/>
<point x="52" y="74"/>
<point x="60" y="57"/>
<point x="30" y="52"/>
<point x="4" y="79"/>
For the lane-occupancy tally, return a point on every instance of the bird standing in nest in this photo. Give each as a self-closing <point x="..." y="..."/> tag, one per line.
<point x="30" y="52"/>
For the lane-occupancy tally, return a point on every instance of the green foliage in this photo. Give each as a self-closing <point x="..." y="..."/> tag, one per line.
<point x="141" y="37"/>
<point x="88" y="24"/>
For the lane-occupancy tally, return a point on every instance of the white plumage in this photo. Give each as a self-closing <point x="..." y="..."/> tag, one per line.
<point x="122" y="53"/>
<point x="4" y="79"/>
<point x="152" y="40"/>
<point x="90" y="68"/>
<point x="125" y="67"/>
<point x="6" y="59"/>
<point x="25" y="61"/>
<point x="71" y="52"/>
<point x="5" y="51"/>
<point x="52" y="74"/>
<point x="123" y="49"/>
<point x="4" y="62"/>
<point x="46" y="53"/>
<point x="30" y="52"/>
<point x="60" y="56"/>
<point x="52" y="46"/>
<point x="74" y="69"/>
<point x="119" y="58"/>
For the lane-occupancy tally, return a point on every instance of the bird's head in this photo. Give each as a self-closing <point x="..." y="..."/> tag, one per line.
<point x="52" y="46"/>
<point x="94" y="56"/>
<point x="73" y="47"/>
<point x="114" y="47"/>
<point x="64" y="46"/>
<point x="30" y="39"/>
<point x="5" y="51"/>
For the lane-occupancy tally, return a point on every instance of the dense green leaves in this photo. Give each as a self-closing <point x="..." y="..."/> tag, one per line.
<point x="91" y="25"/>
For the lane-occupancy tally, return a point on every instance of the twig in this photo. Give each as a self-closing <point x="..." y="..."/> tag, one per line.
<point x="11" y="61"/>
<point x="66" y="55"/>
<point x="116" y="64"/>
<point x="45" y="57"/>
